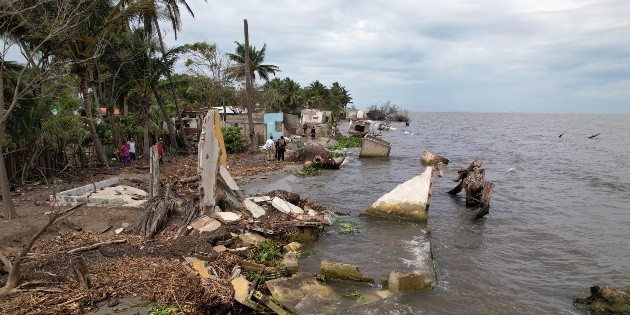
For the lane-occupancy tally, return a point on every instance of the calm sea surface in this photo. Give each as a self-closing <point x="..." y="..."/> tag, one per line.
<point x="559" y="220"/>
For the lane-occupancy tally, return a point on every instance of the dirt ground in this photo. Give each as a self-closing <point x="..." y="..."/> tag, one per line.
<point x="157" y="260"/>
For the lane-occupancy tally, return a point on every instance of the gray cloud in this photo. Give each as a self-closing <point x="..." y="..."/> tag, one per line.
<point x="489" y="55"/>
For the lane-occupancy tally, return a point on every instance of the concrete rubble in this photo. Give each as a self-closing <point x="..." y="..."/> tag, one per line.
<point x="106" y="193"/>
<point x="412" y="198"/>
<point x="398" y="282"/>
<point x="341" y="271"/>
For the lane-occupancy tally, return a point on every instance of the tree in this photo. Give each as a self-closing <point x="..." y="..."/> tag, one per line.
<point x="150" y="20"/>
<point x="207" y="61"/>
<point x="256" y="59"/>
<point x="34" y="28"/>
<point x="316" y="95"/>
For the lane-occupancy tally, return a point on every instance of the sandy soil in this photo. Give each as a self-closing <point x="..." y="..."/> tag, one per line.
<point x="31" y="206"/>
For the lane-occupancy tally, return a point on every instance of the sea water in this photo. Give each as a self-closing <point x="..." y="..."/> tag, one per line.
<point x="559" y="220"/>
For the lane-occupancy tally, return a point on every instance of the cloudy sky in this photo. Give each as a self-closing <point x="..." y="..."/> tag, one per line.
<point x="556" y="56"/>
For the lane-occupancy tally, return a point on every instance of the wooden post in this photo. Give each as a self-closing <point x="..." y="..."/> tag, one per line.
<point x="154" y="172"/>
<point x="208" y="166"/>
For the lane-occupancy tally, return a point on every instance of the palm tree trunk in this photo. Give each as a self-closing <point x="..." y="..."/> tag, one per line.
<point x="146" y="142"/>
<point x="172" y="86"/>
<point x="87" y="106"/>
<point x="248" y="91"/>
<point x="7" y="199"/>
<point x="167" y="119"/>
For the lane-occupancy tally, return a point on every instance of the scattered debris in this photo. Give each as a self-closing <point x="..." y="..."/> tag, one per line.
<point x="593" y="136"/>
<point x="478" y="190"/>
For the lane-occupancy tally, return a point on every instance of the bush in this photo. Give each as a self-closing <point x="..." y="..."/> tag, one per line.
<point x="346" y="142"/>
<point x="234" y="141"/>
<point x="387" y="111"/>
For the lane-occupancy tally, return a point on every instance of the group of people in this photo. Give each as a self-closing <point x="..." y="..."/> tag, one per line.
<point x="275" y="149"/>
<point x="128" y="151"/>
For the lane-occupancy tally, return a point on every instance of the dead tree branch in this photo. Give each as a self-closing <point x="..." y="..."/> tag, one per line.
<point x="14" y="273"/>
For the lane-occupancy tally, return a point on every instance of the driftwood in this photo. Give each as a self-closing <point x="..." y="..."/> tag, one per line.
<point x="95" y="246"/>
<point x="80" y="271"/>
<point x="593" y="136"/>
<point x="156" y="213"/>
<point x="478" y="191"/>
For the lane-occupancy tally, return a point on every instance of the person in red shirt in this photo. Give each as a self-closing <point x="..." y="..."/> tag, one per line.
<point x="160" y="148"/>
<point x="124" y="153"/>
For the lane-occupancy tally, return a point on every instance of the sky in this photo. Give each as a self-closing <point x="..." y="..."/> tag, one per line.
<point x="534" y="56"/>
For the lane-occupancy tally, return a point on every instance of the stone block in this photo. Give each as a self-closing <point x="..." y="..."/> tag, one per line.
<point x="228" y="217"/>
<point x="256" y="210"/>
<point x="341" y="271"/>
<point x="252" y="239"/>
<point x="406" y="282"/>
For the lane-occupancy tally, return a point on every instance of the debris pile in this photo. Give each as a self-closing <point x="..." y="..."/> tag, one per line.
<point x="478" y="190"/>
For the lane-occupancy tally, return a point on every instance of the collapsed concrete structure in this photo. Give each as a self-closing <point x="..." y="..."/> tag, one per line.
<point x="412" y="198"/>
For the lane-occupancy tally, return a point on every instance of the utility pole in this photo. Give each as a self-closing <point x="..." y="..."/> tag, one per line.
<point x="249" y="86"/>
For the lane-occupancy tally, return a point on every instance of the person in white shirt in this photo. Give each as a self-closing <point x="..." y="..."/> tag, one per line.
<point x="132" y="149"/>
<point x="269" y="146"/>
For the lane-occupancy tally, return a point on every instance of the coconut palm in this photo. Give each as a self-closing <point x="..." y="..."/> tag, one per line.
<point x="256" y="59"/>
<point x="150" y="20"/>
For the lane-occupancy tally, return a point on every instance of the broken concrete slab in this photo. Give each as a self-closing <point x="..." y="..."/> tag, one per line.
<point x="118" y="231"/>
<point x="252" y="239"/>
<point x="105" y="193"/>
<point x="219" y="248"/>
<point x="199" y="266"/>
<point x="256" y="210"/>
<point x="241" y="292"/>
<point x="290" y="262"/>
<point x="205" y="224"/>
<point x="301" y="291"/>
<point x="228" y="217"/>
<point x="293" y="246"/>
<point x="410" y="199"/>
<point x="285" y="206"/>
<point x="341" y="271"/>
<point x="398" y="282"/>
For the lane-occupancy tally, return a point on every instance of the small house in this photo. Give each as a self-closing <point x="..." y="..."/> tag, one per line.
<point x="314" y="116"/>
<point x="274" y="123"/>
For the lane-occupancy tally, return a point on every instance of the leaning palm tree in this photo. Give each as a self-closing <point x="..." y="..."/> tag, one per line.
<point x="256" y="59"/>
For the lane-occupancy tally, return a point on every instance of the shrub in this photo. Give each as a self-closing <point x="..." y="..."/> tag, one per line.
<point x="266" y="252"/>
<point x="234" y="141"/>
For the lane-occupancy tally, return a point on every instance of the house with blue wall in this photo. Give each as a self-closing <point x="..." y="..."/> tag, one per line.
<point x="274" y="123"/>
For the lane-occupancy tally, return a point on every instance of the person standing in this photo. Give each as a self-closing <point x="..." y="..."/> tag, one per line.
<point x="160" y="148"/>
<point x="269" y="148"/>
<point x="313" y="133"/>
<point x="124" y="153"/>
<point x="282" y="146"/>
<point x="305" y="126"/>
<point x="132" y="150"/>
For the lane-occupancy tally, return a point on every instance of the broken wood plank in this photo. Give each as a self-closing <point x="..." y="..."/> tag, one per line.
<point x="209" y="152"/>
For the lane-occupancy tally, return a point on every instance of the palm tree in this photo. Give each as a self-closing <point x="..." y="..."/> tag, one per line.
<point x="256" y="59"/>
<point x="83" y="49"/>
<point x="150" y="20"/>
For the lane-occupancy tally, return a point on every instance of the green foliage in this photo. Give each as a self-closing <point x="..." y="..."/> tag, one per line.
<point x="387" y="111"/>
<point x="266" y="252"/>
<point x="164" y="310"/>
<point x="308" y="171"/>
<point x="346" y="142"/>
<point x="234" y="141"/>
<point x="348" y="228"/>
